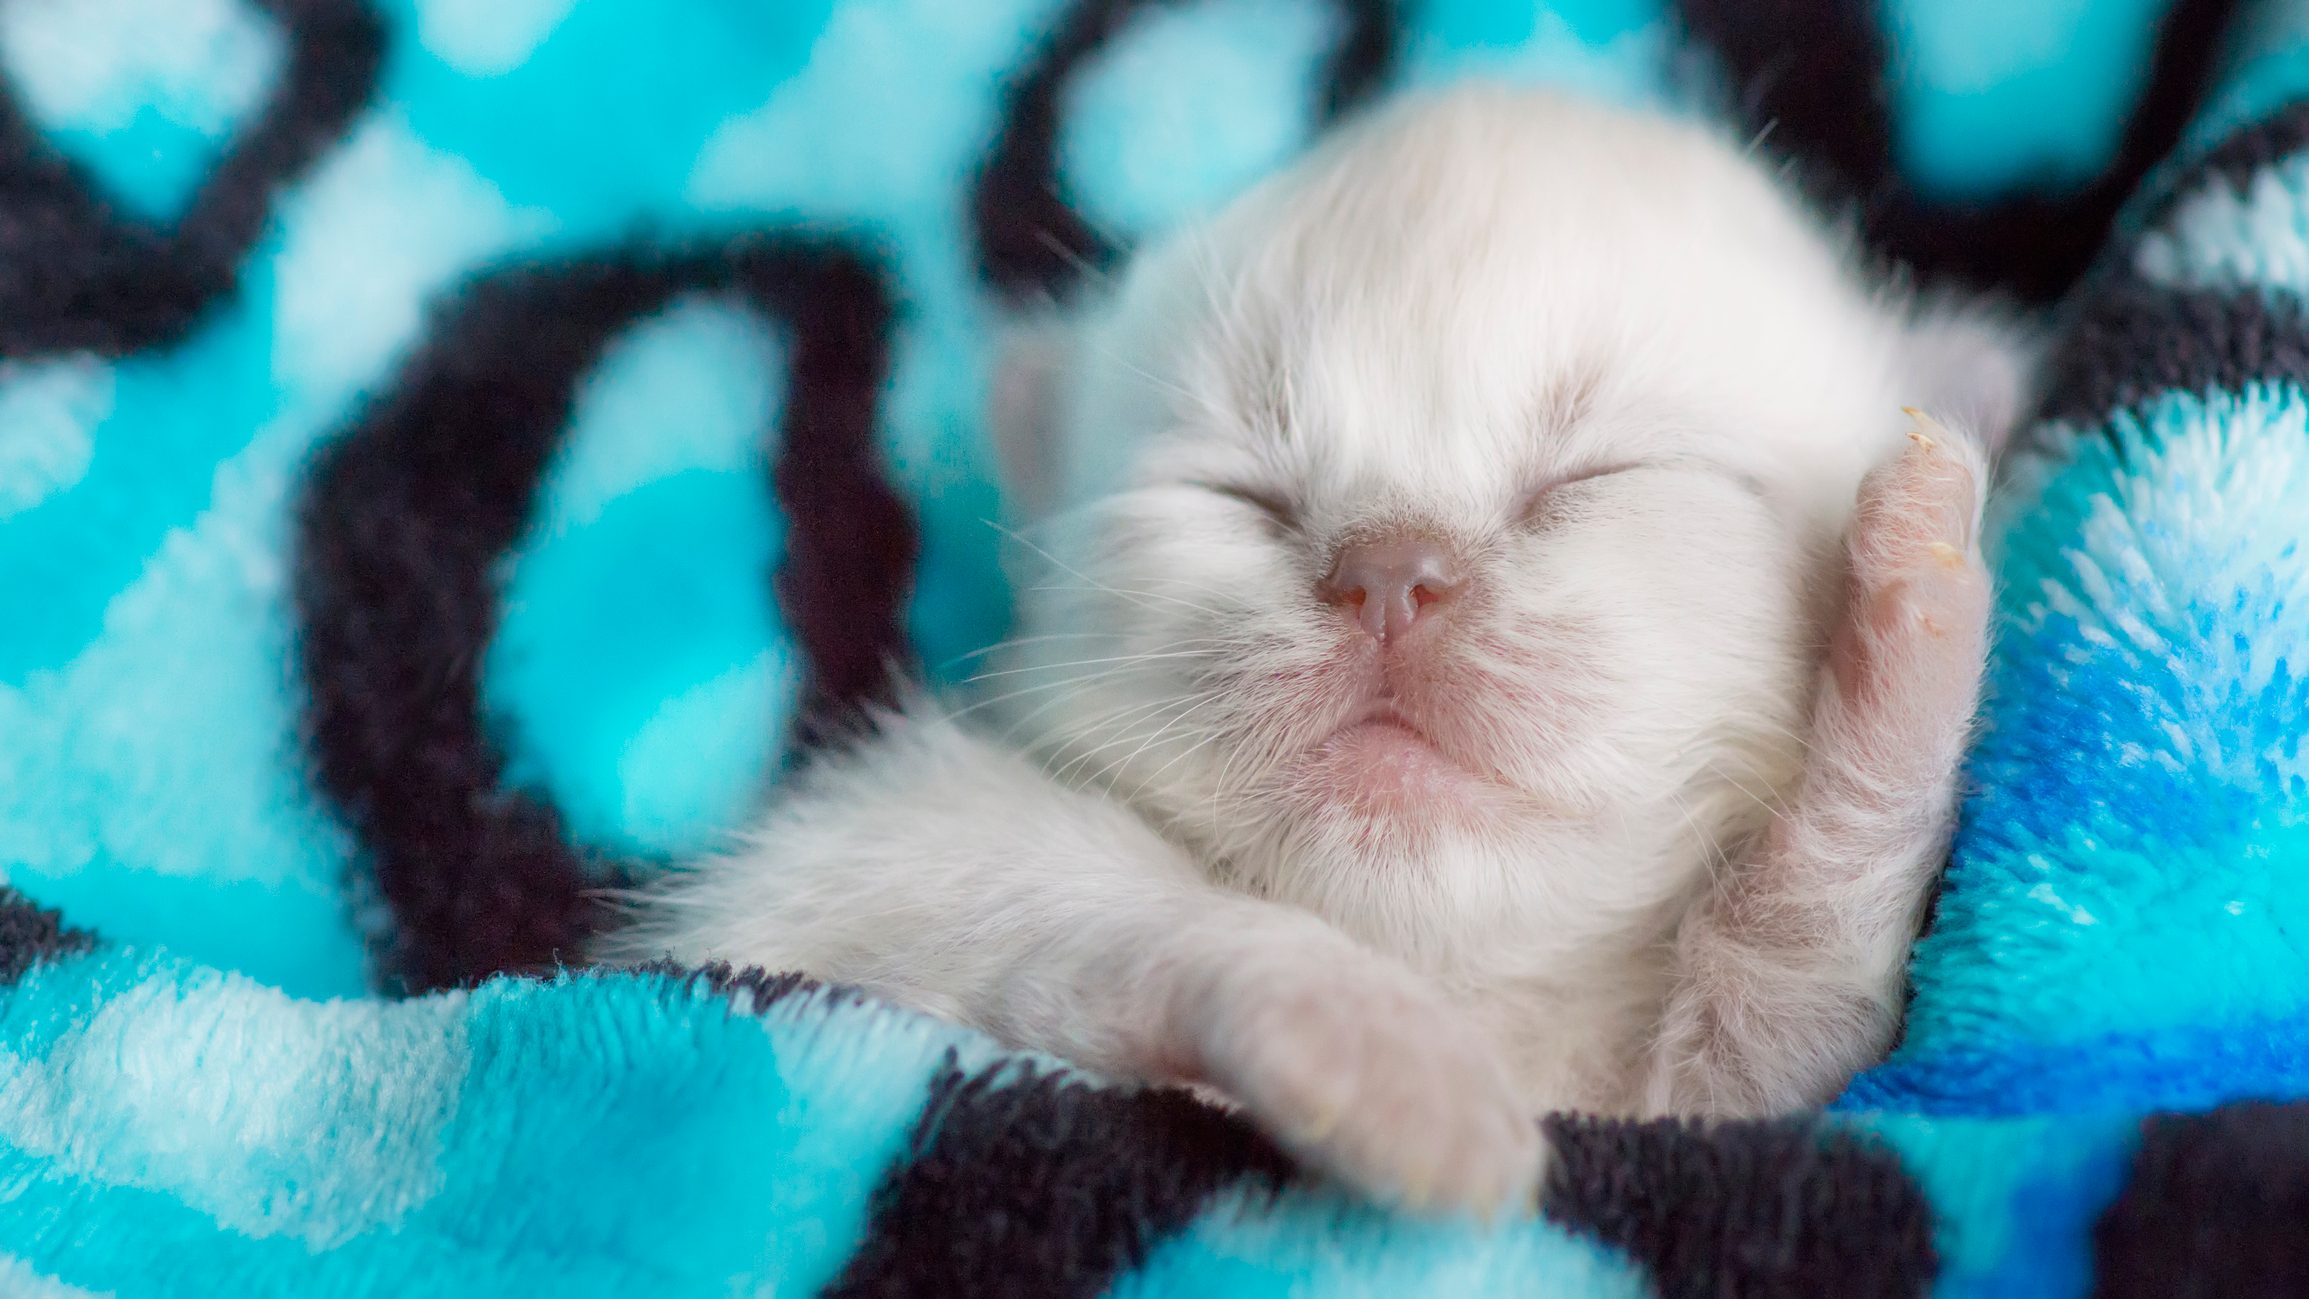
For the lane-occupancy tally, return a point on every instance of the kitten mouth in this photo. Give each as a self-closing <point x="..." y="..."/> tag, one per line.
<point x="1381" y="763"/>
<point x="1384" y="721"/>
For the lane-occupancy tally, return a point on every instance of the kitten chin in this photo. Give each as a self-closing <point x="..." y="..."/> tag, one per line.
<point x="1380" y="770"/>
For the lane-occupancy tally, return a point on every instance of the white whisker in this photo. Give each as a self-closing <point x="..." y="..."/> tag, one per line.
<point x="1093" y="583"/>
<point x="1084" y="663"/>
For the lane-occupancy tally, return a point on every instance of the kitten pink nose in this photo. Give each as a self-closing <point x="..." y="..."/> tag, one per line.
<point x="1388" y="585"/>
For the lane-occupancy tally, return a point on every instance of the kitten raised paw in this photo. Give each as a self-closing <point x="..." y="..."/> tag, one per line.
<point x="1789" y="976"/>
<point x="1916" y="634"/>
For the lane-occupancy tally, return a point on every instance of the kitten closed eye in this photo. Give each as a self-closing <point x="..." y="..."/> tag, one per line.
<point x="1532" y="509"/>
<point x="1277" y="508"/>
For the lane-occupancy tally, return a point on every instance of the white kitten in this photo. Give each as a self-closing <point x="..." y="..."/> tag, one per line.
<point x="1495" y="645"/>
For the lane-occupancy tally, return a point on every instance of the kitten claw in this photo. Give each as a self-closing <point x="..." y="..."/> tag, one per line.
<point x="1921" y="593"/>
<point x="1929" y="433"/>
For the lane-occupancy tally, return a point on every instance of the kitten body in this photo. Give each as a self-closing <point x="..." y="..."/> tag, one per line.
<point x="1492" y="643"/>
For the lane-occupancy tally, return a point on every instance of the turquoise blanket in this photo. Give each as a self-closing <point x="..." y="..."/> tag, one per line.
<point x="453" y="453"/>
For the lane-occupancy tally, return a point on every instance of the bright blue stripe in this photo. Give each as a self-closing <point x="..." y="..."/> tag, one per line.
<point x="2139" y="845"/>
<point x="2195" y="1066"/>
<point x="2014" y="1201"/>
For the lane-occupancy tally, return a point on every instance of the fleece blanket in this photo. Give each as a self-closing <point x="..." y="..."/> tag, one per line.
<point x="456" y="452"/>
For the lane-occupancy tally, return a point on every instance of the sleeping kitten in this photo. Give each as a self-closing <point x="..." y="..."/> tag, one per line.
<point x="1494" y="644"/>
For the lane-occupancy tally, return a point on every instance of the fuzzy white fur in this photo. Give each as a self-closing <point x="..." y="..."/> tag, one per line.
<point x="1693" y="714"/>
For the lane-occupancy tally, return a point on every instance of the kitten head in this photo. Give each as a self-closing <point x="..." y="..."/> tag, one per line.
<point x="1460" y="500"/>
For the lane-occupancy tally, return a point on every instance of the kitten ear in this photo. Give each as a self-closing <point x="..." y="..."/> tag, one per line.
<point x="1025" y="413"/>
<point x="1973" y="366"/>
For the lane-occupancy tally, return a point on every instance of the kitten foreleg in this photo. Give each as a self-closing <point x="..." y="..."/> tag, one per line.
<point x="1789" y="975"/>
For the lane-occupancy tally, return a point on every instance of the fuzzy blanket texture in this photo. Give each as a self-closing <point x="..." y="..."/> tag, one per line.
<point x="454" y="452"/>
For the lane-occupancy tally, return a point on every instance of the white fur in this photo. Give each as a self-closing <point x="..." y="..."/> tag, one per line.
<point x="1636" y="390"/>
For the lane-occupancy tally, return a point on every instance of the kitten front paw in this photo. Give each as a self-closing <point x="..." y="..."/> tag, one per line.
<point x="1374" y="1076"/>
<point x="1915" y="638"/>
<point x="1788" y="976"/>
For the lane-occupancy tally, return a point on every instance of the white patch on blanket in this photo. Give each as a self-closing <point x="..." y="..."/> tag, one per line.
<point x="277" y="1117"/>
<point x="385" y="223"/>
<point x="48" y="413"/>
<point x="689" y="756"/>
<point x="1142" y="147"/>
<point x="887" y="118"/>
<point x="2203" y="520"/>
<point x="20" y="1280"/>
<point x="483" y="38"/>
<point x="169" y="747"/>
<point x="94" y="65"/>
<point x="2218" y="236"/>
<point x="693" y="388"/>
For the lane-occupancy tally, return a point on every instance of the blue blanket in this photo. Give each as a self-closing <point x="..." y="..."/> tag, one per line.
<point x="453" y="453"/>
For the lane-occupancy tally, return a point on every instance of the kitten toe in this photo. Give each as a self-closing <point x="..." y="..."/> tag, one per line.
<point x="1916" y="628"/>
<point x="1927" y="496"/>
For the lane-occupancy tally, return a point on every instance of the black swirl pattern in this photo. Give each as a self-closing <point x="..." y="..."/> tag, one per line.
<point x="409" y="513"/>
<point x="1030" y="240"/>
<point x="83" y="276"/>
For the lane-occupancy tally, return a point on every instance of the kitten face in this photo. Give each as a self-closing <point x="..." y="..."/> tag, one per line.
<point x="1457" y="503"/>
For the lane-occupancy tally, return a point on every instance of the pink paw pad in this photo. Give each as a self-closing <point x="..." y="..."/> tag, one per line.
<point x="1920" y="591"/>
